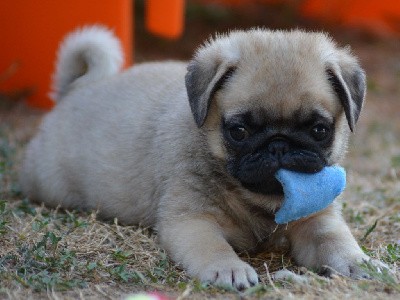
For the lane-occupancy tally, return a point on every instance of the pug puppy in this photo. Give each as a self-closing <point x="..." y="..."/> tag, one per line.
<point x="192" y="150"/>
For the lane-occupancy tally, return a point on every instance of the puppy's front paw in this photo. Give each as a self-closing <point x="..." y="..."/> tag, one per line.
<point x="357" y="268"/>
<point x="230" y="273"/>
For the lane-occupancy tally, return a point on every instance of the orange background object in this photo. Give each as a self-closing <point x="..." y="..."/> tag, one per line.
<point x="31" y="30"/>
<point x="382" y="17"/>
<point x="378" y="16"/>
<point x="165" y="17"/>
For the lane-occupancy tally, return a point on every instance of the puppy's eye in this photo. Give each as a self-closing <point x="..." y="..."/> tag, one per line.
<point x="238" y="133"/>
<point x="320" y="132"/>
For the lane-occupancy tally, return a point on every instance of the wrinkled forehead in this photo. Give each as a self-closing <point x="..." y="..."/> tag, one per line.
<point x="260" y="118"/>
<point x="265" y="108"/>
<point x="283" y="89"/>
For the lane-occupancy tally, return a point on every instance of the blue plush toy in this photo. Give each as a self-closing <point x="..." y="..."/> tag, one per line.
<point x="305" y="194"/>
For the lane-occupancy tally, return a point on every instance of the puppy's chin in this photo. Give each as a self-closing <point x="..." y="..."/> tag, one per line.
<point x="256" y="171"/>
<point x="271" y="187"/>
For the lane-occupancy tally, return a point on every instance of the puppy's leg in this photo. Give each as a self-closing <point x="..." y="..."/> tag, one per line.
<point x="198" y="244"/>
<point x="324" y="242"/>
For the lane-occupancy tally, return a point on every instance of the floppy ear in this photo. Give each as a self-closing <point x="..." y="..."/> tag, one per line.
<point x="203" y="80"/>
<point x="349" y="84"/>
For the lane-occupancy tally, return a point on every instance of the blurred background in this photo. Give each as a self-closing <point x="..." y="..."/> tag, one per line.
<point x="347" y="20"/>
<point x="172" y="29"/>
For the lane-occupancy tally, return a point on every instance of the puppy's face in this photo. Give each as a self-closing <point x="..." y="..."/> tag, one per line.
<point x="271" y="100"/>
<point x="259" y="143"/>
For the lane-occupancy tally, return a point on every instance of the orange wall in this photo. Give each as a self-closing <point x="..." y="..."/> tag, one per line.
<point x="31" y="30"/>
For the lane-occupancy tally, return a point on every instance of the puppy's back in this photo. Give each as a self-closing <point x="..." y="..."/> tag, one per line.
<point x="92" y="150"/>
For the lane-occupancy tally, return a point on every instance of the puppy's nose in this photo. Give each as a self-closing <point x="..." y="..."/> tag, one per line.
<point x="278" y="147"/>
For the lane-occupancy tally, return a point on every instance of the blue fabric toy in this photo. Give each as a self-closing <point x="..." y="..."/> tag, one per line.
<point x="305" y="194"/>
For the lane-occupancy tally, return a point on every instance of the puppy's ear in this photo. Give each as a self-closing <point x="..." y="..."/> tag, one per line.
<point x="349" y="83"/>
<point x="203" y="79"/>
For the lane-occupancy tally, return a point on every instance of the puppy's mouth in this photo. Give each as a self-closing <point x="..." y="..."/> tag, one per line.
<point x="256" y="171"/>
<point x="273" y="187"/>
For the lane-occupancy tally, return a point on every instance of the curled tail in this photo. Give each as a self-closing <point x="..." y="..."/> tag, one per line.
<point x="86" y="55"/>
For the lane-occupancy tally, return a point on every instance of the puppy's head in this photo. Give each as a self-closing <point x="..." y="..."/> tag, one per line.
<point x="275" y="99"/>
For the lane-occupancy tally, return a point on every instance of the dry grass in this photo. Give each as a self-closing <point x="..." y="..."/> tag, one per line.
<point x="59" y="254"/>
